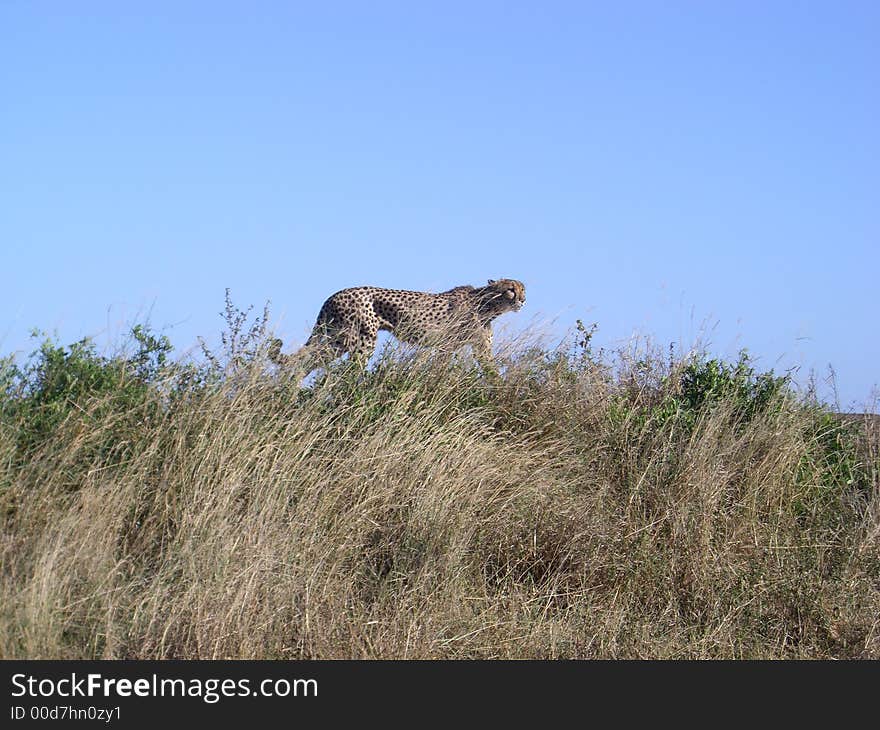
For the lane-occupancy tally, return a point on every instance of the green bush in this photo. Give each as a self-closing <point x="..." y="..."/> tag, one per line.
<point x="704" y="382"/>
<point x="60" y="384"/>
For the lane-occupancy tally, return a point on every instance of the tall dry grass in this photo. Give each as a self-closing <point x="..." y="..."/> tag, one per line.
<point x="564" y="508"/>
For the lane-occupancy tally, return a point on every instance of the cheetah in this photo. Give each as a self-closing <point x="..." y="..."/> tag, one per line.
<point x="350" y="321"/>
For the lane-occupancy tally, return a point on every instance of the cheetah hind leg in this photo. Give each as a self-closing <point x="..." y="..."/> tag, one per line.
<point x="362" y="346"/>
<point x="322" y="350"/>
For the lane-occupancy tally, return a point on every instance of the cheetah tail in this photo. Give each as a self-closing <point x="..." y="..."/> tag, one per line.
<point x="274" y="352"/>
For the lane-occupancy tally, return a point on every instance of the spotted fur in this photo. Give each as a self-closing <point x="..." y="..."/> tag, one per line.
<point x="351" y="319"/>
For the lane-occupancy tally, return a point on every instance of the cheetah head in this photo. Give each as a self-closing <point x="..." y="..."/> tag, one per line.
<point x="507" y="294"/>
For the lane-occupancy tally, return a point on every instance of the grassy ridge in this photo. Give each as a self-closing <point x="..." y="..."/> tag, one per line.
<point x="574" y="505"/>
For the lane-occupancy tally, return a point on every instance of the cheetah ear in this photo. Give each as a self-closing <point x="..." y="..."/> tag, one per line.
<point x="491" y="281"/>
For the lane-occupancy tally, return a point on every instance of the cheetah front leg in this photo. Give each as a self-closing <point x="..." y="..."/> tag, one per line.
<point x="483" y="350"/>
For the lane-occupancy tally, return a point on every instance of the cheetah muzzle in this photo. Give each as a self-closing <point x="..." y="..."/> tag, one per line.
<point x="350" y="321"/>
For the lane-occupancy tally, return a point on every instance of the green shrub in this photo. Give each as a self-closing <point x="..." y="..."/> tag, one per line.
<point x="59" y="384"/>
<point x="704" y="382"/>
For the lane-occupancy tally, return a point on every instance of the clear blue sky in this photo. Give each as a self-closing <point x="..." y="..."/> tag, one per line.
<point x="660" y="168"/>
